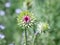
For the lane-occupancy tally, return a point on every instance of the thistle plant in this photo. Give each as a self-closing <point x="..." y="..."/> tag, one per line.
<point x="42" y="27"/>
<point x="26" y="20"/>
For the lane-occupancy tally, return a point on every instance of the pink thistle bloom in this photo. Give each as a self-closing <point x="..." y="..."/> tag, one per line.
<point x="26" y="19"/>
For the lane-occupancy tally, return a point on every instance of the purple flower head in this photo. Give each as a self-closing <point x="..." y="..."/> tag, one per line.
<point x="8" y="4"/>
<point x="18" y="11"/>
<point x="2" y="36"/>
<point x="2" y="13"/>
<point x="26" y="19"/>
<point x="2" y="27"/>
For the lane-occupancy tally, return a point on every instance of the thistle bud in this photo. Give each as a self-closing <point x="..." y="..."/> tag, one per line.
<point x="25" y="19"/>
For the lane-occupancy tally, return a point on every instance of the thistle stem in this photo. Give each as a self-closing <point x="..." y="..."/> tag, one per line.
<point x="26" y="35"/>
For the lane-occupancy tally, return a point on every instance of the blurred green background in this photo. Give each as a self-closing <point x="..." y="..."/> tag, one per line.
<point x="44" y="10"/>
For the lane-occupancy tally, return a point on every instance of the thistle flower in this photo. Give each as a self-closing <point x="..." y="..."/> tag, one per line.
<point x="27" y="4"/>
<point x="26" y="19"/>
<point x="42" y="27"/>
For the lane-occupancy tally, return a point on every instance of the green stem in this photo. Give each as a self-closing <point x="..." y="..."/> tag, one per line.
<point x="26" y="35"/>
